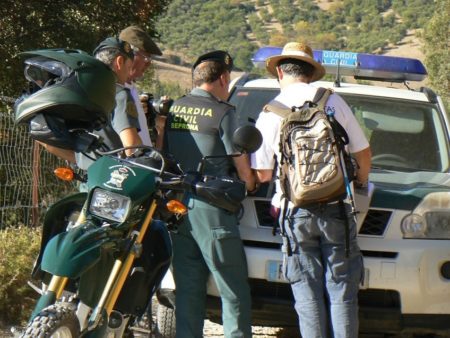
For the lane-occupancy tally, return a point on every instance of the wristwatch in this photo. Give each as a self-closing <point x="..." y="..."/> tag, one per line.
<point x="255" y="189"/>
<point x="361" y="185"/>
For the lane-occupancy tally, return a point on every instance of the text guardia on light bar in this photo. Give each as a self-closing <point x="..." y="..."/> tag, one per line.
<point x="358" y="65"/>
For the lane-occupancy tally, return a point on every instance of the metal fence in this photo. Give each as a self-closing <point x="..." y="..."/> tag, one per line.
<point x="27" y="183"/>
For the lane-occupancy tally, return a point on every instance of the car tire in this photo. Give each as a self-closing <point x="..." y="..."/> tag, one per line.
<point x="165" y="322"/>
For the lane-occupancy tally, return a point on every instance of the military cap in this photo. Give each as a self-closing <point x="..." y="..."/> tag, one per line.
<point x="115" y="43"/>
<point x="218" y="56"/>
<point x="139" y="38"/>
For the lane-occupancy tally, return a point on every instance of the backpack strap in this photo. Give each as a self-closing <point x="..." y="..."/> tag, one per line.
<point x="321" y="97"/>
<point x="280" y="110"/>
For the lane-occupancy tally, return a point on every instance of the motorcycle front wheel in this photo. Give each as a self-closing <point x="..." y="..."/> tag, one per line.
<point x="55" y="321"/>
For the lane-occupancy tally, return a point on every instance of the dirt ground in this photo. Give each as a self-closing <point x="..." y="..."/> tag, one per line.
<point x="212" y="330"/>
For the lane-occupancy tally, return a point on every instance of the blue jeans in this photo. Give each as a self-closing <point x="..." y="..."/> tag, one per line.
<point x="324" y="281"/>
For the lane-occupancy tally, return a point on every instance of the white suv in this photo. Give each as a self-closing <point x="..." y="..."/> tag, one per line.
<point x="405" y="234"/>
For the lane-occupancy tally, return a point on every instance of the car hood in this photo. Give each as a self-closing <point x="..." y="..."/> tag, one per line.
<point x="400" y="190"/>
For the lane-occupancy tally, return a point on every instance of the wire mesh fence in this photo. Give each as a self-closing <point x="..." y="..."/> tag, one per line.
<point x="27" y="184"/>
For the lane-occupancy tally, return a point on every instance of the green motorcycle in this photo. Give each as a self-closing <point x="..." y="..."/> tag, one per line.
<point x="104" y="252"/>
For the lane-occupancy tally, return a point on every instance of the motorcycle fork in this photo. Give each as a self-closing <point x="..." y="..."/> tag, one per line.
<point x="119" y="273"/>
<point x="53" y="292"/>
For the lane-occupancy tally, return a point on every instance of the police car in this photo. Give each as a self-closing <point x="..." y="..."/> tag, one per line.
<point x="403" y="229"/>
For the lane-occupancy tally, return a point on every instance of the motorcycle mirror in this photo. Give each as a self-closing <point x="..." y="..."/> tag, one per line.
<point x="247" y="139"/>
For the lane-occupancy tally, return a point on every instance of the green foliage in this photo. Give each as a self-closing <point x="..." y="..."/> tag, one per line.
<point x="437" y="52"/>
<point x="163" y="88"/>
<point x="18" y="249"/>
<point x="37" y="24"/>
<point x="193" y="27"/>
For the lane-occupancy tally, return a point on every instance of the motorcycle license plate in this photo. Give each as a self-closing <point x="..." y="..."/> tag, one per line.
<point x="274" y="272"/>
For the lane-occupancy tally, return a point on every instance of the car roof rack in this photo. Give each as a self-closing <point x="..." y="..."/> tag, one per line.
<point x="359" y="65"/>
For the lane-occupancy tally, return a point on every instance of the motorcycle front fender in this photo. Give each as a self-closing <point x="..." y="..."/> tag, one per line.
<point x="71" y="253"/>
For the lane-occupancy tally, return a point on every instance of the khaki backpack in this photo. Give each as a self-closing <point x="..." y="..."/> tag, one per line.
<point x="310" y="166"/>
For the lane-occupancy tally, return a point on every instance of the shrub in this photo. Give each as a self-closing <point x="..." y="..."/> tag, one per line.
<point x="18" y="249"/>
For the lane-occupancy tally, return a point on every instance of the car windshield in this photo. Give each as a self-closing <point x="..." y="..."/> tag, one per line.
<point x="404" y="135"/>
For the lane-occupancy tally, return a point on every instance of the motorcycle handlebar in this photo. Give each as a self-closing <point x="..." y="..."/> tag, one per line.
<point x="221" y="191"/>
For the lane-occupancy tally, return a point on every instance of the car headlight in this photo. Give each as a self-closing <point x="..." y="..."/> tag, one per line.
<point x="430" y="219"/>
<point x="107" y="204"/>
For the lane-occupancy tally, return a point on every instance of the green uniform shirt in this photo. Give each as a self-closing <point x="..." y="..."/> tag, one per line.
<point x="122" y="117"/>
<point x="199" y="125"/>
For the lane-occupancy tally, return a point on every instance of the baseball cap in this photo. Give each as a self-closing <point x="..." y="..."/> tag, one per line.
<point x="115" y="43"/>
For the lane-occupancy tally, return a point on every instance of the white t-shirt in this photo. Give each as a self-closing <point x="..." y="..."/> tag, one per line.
<point x="144" y="133"/>
<point x="297" y="94"/>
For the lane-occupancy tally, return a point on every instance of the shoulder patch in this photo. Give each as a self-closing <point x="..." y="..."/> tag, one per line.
<point x="131" y="109"/>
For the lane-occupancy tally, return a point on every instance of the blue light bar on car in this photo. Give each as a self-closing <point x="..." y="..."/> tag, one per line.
<point x="359" y="65"/>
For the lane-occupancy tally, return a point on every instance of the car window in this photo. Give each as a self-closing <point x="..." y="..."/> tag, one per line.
<point x="403" y="135"/>
<point x="249" y="102"/>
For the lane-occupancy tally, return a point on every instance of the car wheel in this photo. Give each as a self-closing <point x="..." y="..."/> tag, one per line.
<point x="165" y="322"/>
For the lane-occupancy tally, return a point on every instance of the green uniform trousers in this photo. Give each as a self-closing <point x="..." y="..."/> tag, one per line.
<point x="207" y="242"/>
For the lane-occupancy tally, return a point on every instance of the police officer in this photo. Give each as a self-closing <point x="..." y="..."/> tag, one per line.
<point x="208" y="241"/>
<point x="123" y="126"/>
<point x="124" y="122"/>
<point x="144" y="50"/>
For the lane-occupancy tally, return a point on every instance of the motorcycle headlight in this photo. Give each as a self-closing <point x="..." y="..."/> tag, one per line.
<point x="109" y="205"/>
<point x="430" y="219"/>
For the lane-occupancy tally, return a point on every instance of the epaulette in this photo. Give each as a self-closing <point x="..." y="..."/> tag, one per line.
<point x="227" y="103"/>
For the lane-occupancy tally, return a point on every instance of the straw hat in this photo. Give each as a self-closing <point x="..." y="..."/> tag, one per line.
<point x="298" y="51"/>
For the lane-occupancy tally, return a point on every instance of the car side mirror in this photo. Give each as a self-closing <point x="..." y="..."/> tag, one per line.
<point x="247" y="139"/>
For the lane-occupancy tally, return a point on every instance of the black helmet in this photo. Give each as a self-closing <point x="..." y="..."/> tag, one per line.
<point x="69" y="89"/>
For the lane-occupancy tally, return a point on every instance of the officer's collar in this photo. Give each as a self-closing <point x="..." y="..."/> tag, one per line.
<point x="119" y="87"/>
<point x="201" y="92"/>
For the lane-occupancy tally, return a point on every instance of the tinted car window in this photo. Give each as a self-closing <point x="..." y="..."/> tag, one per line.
<point x="403" y="135"/>
<point x="250" y="101"/>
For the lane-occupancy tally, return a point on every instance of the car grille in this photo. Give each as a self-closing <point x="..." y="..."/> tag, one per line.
<point x="375" y="222"/>
<point x="262" y="209"/>
<point x="375" y="298"/>
<point x="263" y="245"/>
<point x="263" y="288"/>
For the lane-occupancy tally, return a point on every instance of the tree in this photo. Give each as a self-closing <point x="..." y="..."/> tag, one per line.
<point x="437" y="49"/>
<point x="38" y="24"/>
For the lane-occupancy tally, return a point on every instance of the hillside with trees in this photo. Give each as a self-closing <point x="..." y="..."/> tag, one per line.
<point x="191" y="27"/>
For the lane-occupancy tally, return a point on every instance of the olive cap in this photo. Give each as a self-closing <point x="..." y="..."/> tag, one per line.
<point x="115" y="43"/>
<point x="139" y="38"/>
<point x="220" y="56"/>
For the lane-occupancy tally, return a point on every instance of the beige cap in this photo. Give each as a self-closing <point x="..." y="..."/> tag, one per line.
<point x="139" y="38"/>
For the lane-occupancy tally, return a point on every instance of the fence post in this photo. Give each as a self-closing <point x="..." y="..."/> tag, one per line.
<point x="35" y="185"/>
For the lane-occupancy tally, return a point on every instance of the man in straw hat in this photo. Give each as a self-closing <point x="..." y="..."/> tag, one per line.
<point x="324" y="281"/>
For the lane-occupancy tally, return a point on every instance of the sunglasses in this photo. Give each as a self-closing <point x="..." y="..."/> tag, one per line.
<point x="146" y="58"/>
